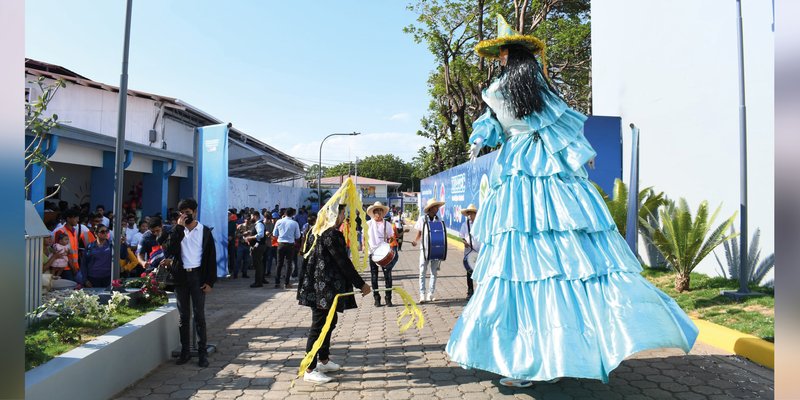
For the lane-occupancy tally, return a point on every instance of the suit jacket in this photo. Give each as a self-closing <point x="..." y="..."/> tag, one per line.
<point x="208" y="263"/>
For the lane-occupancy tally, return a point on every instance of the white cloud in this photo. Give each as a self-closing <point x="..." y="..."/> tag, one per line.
<point x="346" y="148"/>
<point x="399" y="117"/>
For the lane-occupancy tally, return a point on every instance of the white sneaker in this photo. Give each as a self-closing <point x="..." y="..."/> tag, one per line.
<point x="316" y="376"/>
<point x="430" y="297"/>
<point x="421" y="298"/>
<point x="329" y="367"/>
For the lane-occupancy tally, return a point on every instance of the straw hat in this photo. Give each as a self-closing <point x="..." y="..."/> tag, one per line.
<point x="432" y="203"/>
<point x="470" y="209"/>
<point x="490" y="48"/>
<point x="377" y="204"/>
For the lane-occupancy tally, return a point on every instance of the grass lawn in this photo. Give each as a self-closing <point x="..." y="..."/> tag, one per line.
<point x="42" y="344"/>
<point x="755" y="316"/>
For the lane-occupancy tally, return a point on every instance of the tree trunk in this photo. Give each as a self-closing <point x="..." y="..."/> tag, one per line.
<point x="682" y="282"/>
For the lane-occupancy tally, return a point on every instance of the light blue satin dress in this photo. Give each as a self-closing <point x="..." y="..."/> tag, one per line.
<point x="559" y="292"/>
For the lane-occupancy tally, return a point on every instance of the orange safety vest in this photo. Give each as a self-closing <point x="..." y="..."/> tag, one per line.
<point x="86" y="235"/>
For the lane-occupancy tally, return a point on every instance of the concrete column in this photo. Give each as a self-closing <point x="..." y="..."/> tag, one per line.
<point x="155" y="190"/>
<point x="102" y="191"/>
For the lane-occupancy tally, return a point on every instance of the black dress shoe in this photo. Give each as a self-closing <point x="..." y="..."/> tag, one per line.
<point x="183" y="359"/>
<point x="203" y="363"/>
<point x="255" y="285"/>
<point x="265" y="281"/>
<point x="389" y="303"/>
<point x="377" y="302"/>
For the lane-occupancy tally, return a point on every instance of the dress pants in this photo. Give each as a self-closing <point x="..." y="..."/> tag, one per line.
<point x="285" y="251"/>
<point x="258" y="263"/>
<point x="188" y="295"/>
<point x="318" y="317"/>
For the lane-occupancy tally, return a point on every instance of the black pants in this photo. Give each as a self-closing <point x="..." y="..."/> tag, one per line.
<point x="258" y="263"/>
<point x="184" y="294"/>
<point x="387" y="277"/>
<point x="231" y="256"/>
<point x="285" y="251"/>
<point x="470" y="290"/>
<point x="318" y="317"/>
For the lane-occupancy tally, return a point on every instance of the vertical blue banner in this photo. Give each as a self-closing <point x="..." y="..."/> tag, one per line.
<point x="212" y="189"/>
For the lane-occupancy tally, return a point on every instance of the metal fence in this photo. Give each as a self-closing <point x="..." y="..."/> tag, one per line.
<point x="33" y="274"/>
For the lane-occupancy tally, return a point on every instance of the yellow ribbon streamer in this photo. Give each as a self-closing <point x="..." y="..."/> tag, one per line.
<point x="411" y="311"/>
<point x="326" y="217"/>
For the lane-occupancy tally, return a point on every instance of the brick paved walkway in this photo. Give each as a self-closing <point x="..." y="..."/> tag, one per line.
<point x="261" y="333"/>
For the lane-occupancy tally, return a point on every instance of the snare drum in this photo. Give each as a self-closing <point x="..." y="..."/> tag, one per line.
<point x="383" y="255"/>
<point x="434" y="243"/>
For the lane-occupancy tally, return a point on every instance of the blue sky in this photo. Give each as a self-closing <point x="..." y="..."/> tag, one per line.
<point x="288" y="73"/>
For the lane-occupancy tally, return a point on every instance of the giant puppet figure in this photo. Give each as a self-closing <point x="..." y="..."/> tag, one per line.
<point x="559" y="292"/>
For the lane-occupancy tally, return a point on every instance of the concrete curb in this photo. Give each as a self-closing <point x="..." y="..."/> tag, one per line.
<point x="108" y="364"/>
<point x="751" y="347"/>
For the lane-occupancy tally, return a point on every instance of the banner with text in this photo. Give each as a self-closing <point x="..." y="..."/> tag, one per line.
<point x="212" y="190"/>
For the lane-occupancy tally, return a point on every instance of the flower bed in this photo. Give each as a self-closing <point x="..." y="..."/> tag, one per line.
<point x="108" y="364"/>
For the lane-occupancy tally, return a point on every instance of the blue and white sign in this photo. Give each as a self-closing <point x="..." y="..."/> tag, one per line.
<point x="213" y="188"/>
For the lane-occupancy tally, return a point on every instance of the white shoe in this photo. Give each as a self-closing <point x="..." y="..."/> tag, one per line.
<point x="519" y="383"/>
<point x="316" y="376"/>
<point x="430" y="297"/>
<point x="329" y="367"/>
<point x="421" y="298"/>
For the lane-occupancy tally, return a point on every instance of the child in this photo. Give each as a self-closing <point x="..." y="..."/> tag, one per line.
<point x="61" y="252"/>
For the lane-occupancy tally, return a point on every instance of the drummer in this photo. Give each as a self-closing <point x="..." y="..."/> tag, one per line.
<point x="381" y="233"/>
<point x="430" y="212"/>
<point x="470" y="244"/>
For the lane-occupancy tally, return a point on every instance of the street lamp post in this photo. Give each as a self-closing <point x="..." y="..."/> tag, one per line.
<point x="319" y="172"/>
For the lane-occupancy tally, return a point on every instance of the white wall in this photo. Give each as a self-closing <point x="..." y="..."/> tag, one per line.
<point x="96" y="110"/>
<point x="246" y="193"/>
<point x="77" y="187"/>
<point x="77" y="153"/>
<point x="670" y="67"/>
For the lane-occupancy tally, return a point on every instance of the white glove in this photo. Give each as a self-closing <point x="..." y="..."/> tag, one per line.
<point x="475" y="149"/>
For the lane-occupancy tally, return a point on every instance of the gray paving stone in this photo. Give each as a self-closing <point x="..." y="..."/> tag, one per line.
<point x="261" y="334"/>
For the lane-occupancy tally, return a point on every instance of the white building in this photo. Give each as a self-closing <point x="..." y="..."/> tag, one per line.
<point x="159" y="136"/>
<point x="670" y="67"/>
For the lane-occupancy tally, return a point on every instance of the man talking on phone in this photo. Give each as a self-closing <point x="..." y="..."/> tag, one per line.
<point x="192" y="259"/>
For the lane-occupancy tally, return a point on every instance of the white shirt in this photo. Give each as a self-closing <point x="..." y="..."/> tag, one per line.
<point x="129" y="232"/>
<point x="106" y="222"/>
<point x="469" y="237"/>
<point x="192" y="247"/>
<point x="135" y="238"/>
<point x="379" y="232"/>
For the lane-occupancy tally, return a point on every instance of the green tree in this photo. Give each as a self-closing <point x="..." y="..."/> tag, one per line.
<point x="386" y="167"/>
<point x="39" y="126"/>
<point x="451" y="29"/>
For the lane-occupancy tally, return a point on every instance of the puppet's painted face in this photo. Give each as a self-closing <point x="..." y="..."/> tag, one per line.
<point x="503" y="56"/>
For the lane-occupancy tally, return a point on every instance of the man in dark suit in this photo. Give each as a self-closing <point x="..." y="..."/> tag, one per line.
<point x="193" y="263"/>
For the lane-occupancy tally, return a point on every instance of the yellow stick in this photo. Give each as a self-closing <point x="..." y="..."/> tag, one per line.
<point x="411" y="310"/>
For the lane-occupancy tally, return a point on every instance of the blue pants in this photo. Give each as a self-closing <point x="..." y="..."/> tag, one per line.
<point x="242" y="260"/>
